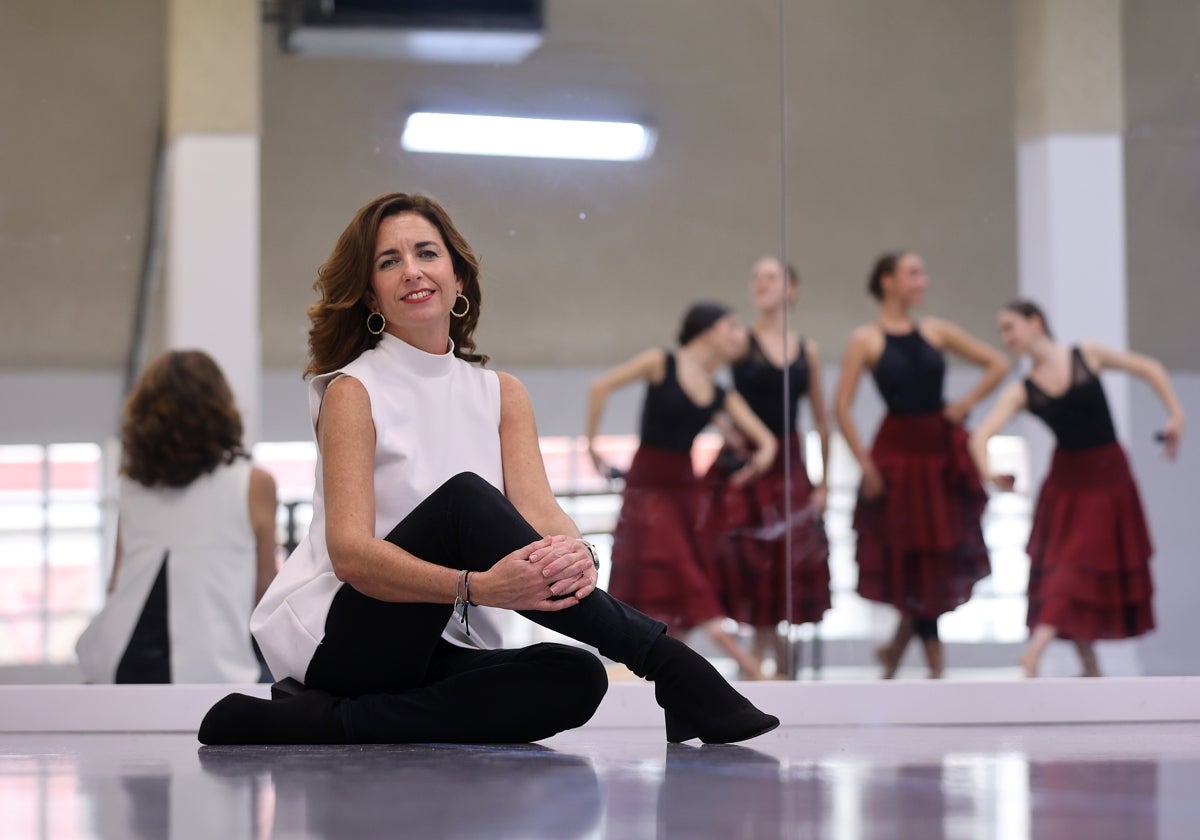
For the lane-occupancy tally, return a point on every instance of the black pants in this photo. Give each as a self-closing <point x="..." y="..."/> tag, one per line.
<point x="404" y="683"/>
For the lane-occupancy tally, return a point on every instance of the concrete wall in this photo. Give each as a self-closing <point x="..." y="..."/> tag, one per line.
<point x="882" y="151"/>
<point x="1162" y="177"/>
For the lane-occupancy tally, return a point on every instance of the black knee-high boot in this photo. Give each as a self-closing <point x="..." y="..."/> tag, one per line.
<point x="698" y="702"/>
<point x="307" y="717"/>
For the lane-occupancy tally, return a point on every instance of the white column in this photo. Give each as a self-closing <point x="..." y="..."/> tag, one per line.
<point x="1071" y="233"/>
<point x="212" y="255"/>
<point x="213" y="258"/>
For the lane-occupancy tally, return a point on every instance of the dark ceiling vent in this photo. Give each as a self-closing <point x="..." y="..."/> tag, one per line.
<point x="446" y="31"/>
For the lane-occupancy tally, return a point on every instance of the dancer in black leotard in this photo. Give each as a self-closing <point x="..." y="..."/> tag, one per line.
<point x="751" y="523"/>
<point x="1089" y="549"/>
<point x="658" y="562"/>
<point x="920" y="544"/>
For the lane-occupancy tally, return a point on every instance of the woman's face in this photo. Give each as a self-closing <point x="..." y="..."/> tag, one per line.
<point x="909" y="281"/>
<point x="769" y="288"/>
<point x="1017" y="332"/>
<point x="728" y="337"/>
<point x="412" y="276"/>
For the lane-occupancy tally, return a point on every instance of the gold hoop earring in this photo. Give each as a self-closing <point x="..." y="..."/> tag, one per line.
<point x="466" y="309"/>
<point x="382" y="322"/>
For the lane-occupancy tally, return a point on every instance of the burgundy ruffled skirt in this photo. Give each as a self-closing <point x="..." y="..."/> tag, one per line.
<point x="920" y="547"/>
<point x="657" y="562"/>
<point x="747" y="528"/>
<point x="1089" y="549"/>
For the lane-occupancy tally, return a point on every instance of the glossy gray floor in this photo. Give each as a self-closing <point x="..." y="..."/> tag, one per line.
<point x="1113" y="781"/>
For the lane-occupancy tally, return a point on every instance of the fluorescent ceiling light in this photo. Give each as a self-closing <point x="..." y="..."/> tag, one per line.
<point x="465" y="134"/>
<point x="432" y="45"/>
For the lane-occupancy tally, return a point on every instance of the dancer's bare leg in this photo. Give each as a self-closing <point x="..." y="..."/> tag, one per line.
<point x="761" y="643"/>
<point x="934" y="657"/>
<point x="748" y="663"/>
<point x="783" y="659"/>
<point x="889" y="655"/>
<point x="768" y="641"/>
<point x="1043" y="635"/>
<point x="1087" y="655"/>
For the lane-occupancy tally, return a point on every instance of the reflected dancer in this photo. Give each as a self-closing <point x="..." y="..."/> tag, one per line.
<point x="756" y="524"/>
<point x="659" y="564"/>
<point x="918" y="518"/>
<point x="1089" y="547"/>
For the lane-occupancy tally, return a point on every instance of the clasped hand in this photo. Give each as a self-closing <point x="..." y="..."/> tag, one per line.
<point x="551" y="574"/>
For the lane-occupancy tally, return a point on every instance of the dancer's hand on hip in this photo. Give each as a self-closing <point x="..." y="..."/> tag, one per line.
<point x="956" y="412"/>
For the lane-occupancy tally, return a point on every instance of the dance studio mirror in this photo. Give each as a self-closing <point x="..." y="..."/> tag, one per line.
<point x="584" y="262"/>
<point x="1041" y="150"/>
<point x="826" y="132"/>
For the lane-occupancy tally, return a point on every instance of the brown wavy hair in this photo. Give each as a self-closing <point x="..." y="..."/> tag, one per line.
<point x="338" y="334"/>
<point x="180" y="421"/>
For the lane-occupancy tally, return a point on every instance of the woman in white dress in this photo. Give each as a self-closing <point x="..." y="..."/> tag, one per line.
<point x="195" y="536"/>
<point x="431" y="506"/>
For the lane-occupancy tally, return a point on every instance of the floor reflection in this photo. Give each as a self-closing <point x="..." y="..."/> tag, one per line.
<point x="420" y="791"/>
<point x="937" y="782"/>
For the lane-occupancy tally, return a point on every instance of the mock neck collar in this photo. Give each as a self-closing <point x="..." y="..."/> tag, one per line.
<point x="415" y="359"/>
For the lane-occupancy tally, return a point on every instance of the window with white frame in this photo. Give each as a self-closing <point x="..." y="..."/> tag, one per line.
<point x="52" y="538"/>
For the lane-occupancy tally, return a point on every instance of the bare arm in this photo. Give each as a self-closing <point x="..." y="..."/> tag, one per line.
<point x="854" y="362"/>
<point x="528" y="488"/>
<point x="734" y="439"/>
<point x="263" y="503"/>
<point x="1152" y="371"/>
<point x="525" y="481"/>
<point x="864" y="346"/>
<point x="1012" y="401"/>
<point x="816" y="399"/>
<point x="964" y="345"/>
<point x="375" y="567"/>
<point x="749" y="424"/>
<point x="649" y="365"/>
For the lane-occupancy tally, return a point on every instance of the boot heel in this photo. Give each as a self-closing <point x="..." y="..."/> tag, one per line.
<point x="677" y="730"/>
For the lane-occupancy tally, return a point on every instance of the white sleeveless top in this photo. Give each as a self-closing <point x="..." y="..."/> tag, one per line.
<point x="204" y="531"/>
<point x="435" y="416"/>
